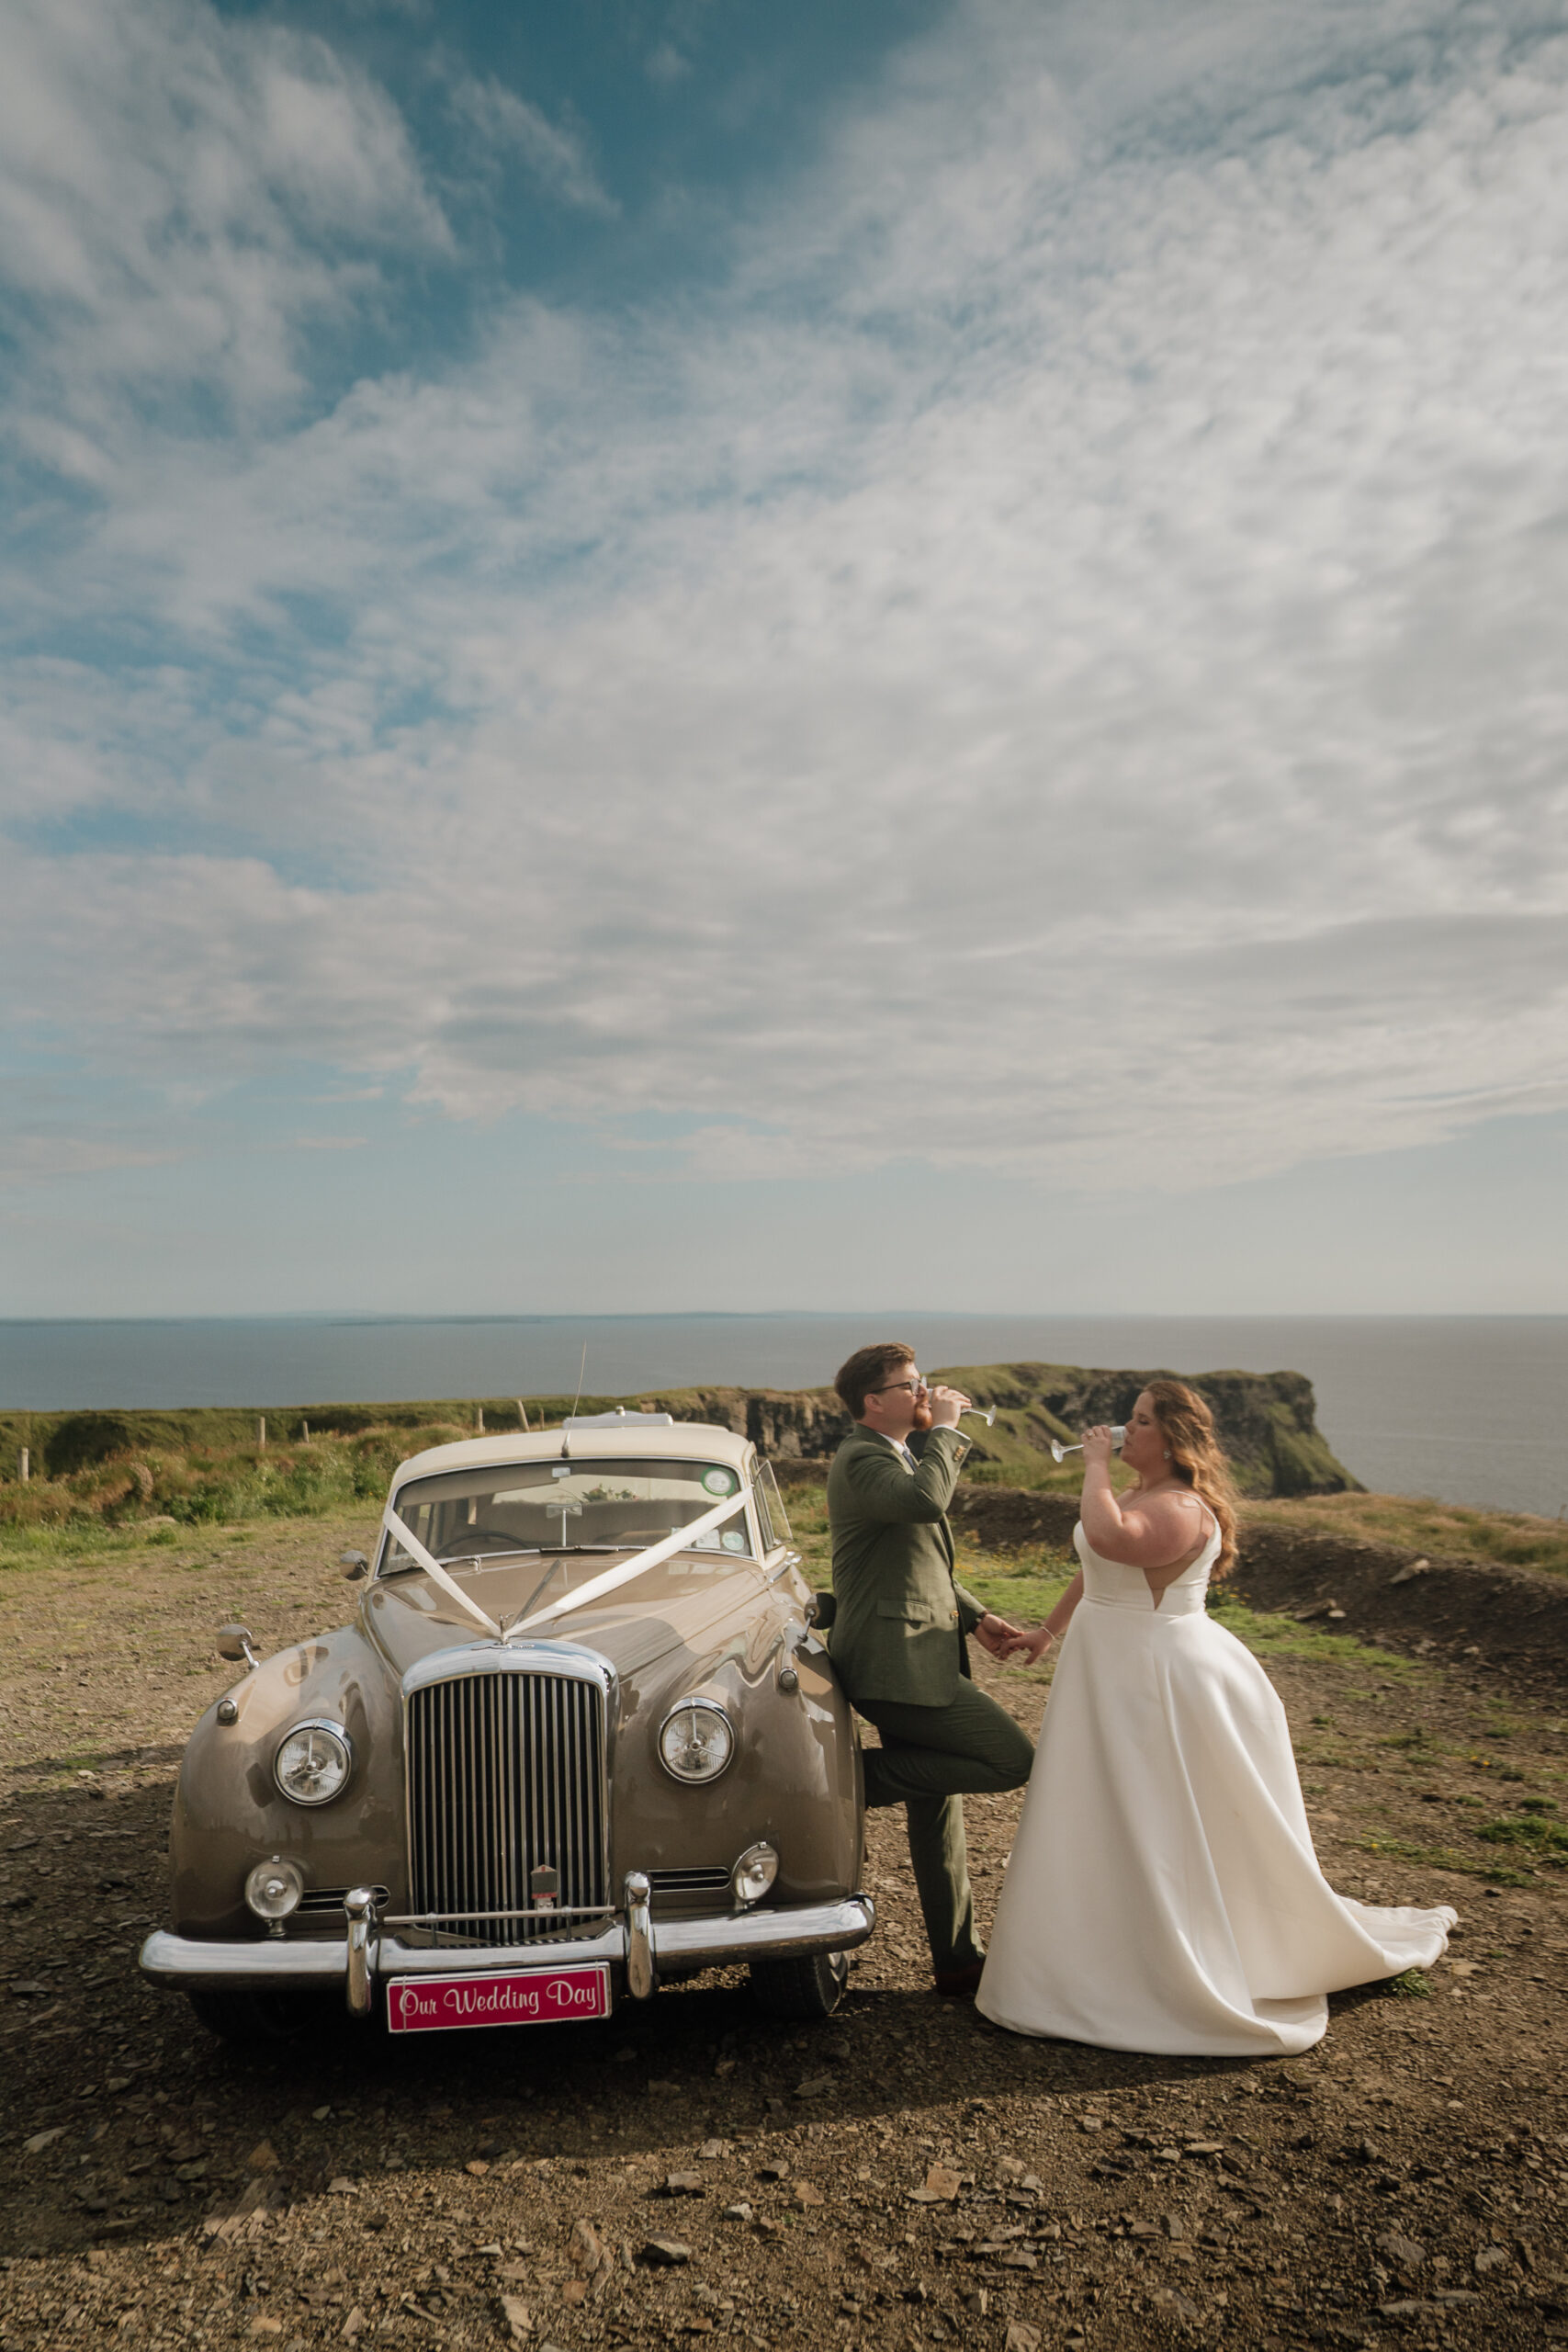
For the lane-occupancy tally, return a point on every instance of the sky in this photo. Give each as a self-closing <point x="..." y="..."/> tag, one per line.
<point x="676" y="655"/>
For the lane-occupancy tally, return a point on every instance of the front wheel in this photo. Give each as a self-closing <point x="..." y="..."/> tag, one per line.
<point x="810" y="1987"/>
<point x="239" y="2017"/>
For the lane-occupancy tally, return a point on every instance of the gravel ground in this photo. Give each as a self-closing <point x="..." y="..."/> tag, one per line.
<point x="901" y="2175"/>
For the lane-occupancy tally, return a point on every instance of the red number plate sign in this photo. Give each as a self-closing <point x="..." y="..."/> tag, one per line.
<point x="525" y="1996"/>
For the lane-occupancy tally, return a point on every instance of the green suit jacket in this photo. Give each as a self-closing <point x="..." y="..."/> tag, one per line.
<point x="898" y="1628"/>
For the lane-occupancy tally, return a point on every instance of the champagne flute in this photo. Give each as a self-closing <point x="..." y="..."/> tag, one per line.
<point x="987" y="1413"/>
<point x="1059" y="1453"/>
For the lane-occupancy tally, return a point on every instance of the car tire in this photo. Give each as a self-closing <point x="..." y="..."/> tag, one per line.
<point x="239" y="2017"/>
<point x="811" y="1988"/>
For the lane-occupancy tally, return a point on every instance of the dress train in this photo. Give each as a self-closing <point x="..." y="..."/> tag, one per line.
<point x="1163" y="1894"/>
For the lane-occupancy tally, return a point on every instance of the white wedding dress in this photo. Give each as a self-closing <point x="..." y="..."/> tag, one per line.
<point x="1163" y="1894"/>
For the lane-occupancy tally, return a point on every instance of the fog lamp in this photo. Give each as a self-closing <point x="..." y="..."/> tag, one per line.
<point x="274" y="1888"/>
<point x="313" y="1762"/>
<point x="695" y="1742"/>
<point x="754" y="1874"/>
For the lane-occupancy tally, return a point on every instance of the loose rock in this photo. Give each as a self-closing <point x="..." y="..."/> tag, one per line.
<point x="942" y="2185"/>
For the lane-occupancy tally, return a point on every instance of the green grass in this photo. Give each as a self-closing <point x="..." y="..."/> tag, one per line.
<point x="45" y="1546"/>
<point x="1030" y="1586"/>
<point x="1025" y="1594"/>
<point x="1549" y="1839"/>
<point x="204" y="1467"/>
<point x="208" y="1464"/>
<point x="203" y="1487"/>
<point x="1414" y="1523"/>
<point x="1268" y="1636"/>
<point x="1536" y="1839"/>
<point x="1444" y="1857"/>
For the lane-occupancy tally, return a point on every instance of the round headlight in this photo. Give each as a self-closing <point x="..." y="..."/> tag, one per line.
<point x="313" y="1762"/>
<point x="754" y="1872"/>
<point x="273" y="1889"/>
<point x="696" y="1743"/>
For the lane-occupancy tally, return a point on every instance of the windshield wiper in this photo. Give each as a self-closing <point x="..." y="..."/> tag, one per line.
<point x="565" y="1552"/>
<point x="560" y="1550"/>
<point x="459" y="1559"/>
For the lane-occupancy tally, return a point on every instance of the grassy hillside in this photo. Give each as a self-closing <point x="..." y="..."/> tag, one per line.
<point x="1268" y="1422"/>
<point x="216" y="1464"/>
<point x="1399" y="1521"/>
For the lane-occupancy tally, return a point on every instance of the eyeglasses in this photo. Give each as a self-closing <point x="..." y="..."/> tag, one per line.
<point x="914" y="1387"/>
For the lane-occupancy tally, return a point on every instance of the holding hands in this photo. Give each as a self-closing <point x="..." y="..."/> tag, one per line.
<point x="1000" y="1636"/>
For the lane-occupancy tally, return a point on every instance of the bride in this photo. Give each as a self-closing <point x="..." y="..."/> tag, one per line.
<point x="1163" y="1894"/>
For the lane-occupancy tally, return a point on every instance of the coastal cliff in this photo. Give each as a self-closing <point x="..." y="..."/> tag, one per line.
<point x="1267" y="1422"/>
<point x="216" y="1461"/>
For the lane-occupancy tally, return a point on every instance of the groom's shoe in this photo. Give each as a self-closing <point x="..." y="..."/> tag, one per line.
<point x="960" y="1983"/>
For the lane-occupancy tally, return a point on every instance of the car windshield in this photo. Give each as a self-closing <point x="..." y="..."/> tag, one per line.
<point x="520" y="1507"/>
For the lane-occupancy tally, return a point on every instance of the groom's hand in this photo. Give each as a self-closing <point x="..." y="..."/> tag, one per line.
<point x="946" y="1404"/>
<point x="998" y="1636"/>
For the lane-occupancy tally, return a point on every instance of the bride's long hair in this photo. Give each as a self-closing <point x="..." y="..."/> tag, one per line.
<point x="1197" y="1458"/>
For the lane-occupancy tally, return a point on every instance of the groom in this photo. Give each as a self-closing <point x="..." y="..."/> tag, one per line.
<point x="897" y="1638"/>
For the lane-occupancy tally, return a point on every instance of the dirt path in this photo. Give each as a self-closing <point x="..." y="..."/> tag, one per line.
<point x="1401" y="2185"/>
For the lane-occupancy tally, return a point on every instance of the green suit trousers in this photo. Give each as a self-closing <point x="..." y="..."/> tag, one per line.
<point x="931" y="1759"/>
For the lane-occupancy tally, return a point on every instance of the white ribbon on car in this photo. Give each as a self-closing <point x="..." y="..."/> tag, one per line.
<point x="681" y="1540"/>
<point x="433" y="1567"/>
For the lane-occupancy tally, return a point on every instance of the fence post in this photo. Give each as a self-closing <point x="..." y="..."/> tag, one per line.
<point x="27" y="1465"/>
<point x="522" y="1414"/>
<point x="306" y="1427"/>
<point x="481" y="1420"/>
<point x="261" y="1429"/>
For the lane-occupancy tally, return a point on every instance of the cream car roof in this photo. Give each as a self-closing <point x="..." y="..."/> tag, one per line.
<point x="683" y="1440"/>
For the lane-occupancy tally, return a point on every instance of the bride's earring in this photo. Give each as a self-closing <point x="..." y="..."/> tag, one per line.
<point x="1168" y="1458"/>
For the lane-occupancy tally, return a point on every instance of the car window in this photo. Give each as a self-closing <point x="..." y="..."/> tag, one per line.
<point x="555" y="1506"/>
<point x="770" y="1503"/>
<point x="760" y="1499"/>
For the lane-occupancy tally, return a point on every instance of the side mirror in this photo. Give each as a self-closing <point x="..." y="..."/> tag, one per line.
<point x="234" y="1644"/>
<point x="354" y="1565"/>
<point x="822" y="1609"/>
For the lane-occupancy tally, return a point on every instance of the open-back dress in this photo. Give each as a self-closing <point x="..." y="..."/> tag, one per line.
<point x="1163" y="1894"/>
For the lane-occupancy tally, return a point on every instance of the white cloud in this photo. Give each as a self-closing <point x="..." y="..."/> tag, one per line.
<point x="555" y="154"/>
<point x="1053" y="667"/>
<point x="176" y="195"/>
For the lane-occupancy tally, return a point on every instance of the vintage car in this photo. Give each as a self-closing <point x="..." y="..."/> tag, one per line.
<point x="579" y="1737"/>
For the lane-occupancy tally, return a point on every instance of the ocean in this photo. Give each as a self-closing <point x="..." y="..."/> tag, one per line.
<point x="1468" y="1409"/>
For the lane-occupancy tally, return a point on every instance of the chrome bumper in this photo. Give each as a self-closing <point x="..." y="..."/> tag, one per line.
<point x="635" y="1947"/>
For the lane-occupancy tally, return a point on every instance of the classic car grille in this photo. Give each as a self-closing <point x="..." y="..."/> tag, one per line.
<point x="505" y="1773"/>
